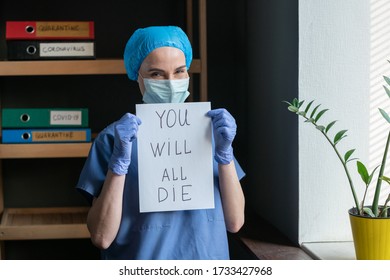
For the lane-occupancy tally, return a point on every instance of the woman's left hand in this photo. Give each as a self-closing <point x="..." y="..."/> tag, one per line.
<point x="224" y="127"/>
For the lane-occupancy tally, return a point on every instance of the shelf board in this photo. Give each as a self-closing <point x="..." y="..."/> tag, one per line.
<point x="62" y="67"/>
<point x="44" y="223"/>
<point x="71" y="67"/>
<point x="63" y="150"/>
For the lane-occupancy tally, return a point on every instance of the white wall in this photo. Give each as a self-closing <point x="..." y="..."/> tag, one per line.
<point x="343" y="51"/>
<point x="334" y="69"/>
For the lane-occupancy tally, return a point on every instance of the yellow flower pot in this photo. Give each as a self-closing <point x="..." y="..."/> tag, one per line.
<point x="371" y="236"/>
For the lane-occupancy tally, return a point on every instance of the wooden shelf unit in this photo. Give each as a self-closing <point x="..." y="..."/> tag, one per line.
<point x="70" y="222"/>
<point x="72" y="67"/>
<point x="62" y="67"/>
<point x="63" y="150"/>
<point x="44" y="223"/>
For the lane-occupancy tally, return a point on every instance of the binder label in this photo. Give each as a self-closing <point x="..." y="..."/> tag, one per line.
<point x="65" y="117"/>
<point x="66" y="49"/>
<point x="71" y="29"/>
<point x="38" y="30"/>
<point x="44" y="117"/>
<point x="55" y="136"/>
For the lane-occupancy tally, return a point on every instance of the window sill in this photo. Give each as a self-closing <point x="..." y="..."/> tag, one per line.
<point x="264" y="242"/>
<point x="330" y="250"/>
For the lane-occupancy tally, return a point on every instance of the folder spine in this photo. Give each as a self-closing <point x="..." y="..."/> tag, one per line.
<point x="31" y="136"/>
<point x="50" y="30"/>
<point x="44" y="117"/>
<point x="46" y="50"/>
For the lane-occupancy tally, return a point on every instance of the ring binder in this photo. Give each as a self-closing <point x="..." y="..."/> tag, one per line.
<point x="50" y="30"/>
<point x="44" y="117"/>
<point x="35" y="50"/>
<point x="63" y="135"/>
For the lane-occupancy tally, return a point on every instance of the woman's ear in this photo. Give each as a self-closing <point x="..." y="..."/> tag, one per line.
<point x="141" y="84"/>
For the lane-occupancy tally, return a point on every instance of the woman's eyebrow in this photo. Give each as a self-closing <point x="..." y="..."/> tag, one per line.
<point x="181" y="67"/>
<point x="155" y="70"/>
<point x="161" y="70"/>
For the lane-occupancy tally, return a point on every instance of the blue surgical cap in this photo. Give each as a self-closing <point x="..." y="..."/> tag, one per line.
<point x="145" y="40"/>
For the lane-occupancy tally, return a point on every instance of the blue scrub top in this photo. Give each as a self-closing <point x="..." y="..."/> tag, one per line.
<point x="189" y="234"/>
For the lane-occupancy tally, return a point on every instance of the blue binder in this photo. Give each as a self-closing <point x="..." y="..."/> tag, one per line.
<point x="61" y="135"/>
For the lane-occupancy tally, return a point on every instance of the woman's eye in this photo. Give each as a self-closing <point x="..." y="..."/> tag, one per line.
<point x="155" y="75"/>
<point x="182" y="73"/>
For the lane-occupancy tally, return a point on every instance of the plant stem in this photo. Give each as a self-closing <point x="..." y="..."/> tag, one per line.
<point x="364" y="198"/>
<point x="379" y="181"/>
<point x="344" y="165"/>
<point x="346" y="171"/>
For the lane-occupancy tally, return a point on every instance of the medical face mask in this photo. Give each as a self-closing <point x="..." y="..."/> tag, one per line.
<point x="166" y="91"/>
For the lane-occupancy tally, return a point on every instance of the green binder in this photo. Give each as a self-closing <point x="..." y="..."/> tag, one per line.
<point x="44" y="117"/>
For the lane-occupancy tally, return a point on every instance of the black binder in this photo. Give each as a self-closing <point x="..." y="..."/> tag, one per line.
<point x="46" y="50"/>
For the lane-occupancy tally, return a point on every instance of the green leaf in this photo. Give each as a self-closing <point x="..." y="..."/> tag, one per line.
<point x="387" y="91"/>
<point x="363" y="172"/>
<point x="351" y="159"/>
<point x="320" y="114"/>
<point x="310" y="120"/>
<point x="348" y="154"/>
<point x="385" y="207"/>
<point x="302" y="113"/>
<point x="387" y="79"/>
<point x="295" y="102"/>
<point x="314" y="111"/>
<point x="387" y="199"/>
<point x="384" y="212"/>
<point x="308" y="106"/>
<point x="385" y="115"/>
<point x="372" y="175"/>
<point x="340" y="135"/>
<point x="293" y="109"/>
<point x="368" y="211"/>
<point x="300" y="104"/>
<point x="386" y="179"/>
<point x="320" y="127"/>
<point x="289" y="104"/>
<point x="329" y="126"/>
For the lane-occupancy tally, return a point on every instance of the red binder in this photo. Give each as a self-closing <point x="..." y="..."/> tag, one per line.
<point x="49" y="30"/>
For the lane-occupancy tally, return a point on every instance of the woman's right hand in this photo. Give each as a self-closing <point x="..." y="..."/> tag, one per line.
<point x="125" y="132"/>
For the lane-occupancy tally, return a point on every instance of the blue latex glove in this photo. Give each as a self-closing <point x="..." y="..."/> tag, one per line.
<point x="224" y="127"/>
<point x="125" y="132"/>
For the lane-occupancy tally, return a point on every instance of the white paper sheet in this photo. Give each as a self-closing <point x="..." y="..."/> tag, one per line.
<point x="175" y="163"/>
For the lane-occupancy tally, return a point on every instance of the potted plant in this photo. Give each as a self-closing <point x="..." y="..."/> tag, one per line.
<point x="366" y="219"/>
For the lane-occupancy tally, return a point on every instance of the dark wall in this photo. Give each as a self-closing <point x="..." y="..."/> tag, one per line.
<point x="253" y="67"/>
<point x="114" y="20"/>
<point x="272" y="76"/>
<point x="227" y="65"/>
<point x="51" y="182"/>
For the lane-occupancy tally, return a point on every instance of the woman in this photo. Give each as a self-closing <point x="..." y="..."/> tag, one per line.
<point x="158" y="57"/>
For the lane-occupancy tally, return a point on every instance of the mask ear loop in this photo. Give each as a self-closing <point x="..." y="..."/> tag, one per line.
<point x="139" y="75"/>
<point x="141" y="86"/>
